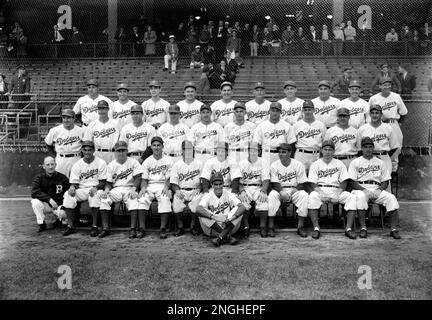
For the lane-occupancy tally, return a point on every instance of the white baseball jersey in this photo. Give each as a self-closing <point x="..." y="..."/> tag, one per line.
<point x="325" y="111"/>
<point x="309" y="135"/>
<point x="157" y="171"/>
<point x="331" y="174"/>
<point x="358" y="111"/>
<point x="383" y="136"/>
<point x="289" y="176"/>
<point x="254" y="173"/>
<point x="222" y="112"/>
<point x="345" y="140"/>
<point x="173" y="136"/>
<point x="206" y="136"/>
<point x="104" y="135"/>
<point x="228" y="170"/>
<point x="88" y="108"/>
<point x="186" y="175"/>
<point x="87" y="175"/>
<point x="362" y="169"/>
<point x="239" y="136"/>
<point x="121" y="175"/>
<point x="219" y="205"/>
<point x="271" y="135"/>
<point x="257" y="113"/>
<point x="190" y="112"/>
<point x="291" y="111"/>
<point x="155" y="112"/>
<point x="121" y="112"/>
<point x="65" y="141"/>
<point x="137" y="138"/>
<point x="392" y="106"/>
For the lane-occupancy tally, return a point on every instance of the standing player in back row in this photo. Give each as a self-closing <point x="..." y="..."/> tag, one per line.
<point x="325" y="106"/>
<point x="190" y="107"/>
<point x="121" y="108"/>
<point x="223" y="109"/>
<point x="291" y="105"/>
<point x="155" y="109"/>
<point x="357" y="107"/>
<point x="258" y="108"/>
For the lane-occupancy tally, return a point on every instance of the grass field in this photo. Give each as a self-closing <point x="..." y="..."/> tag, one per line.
<point x="285" y="267"/>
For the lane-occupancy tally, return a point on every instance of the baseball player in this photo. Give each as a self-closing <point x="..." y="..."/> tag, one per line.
<point x="104" y="132"/>
<point x="138" y="135"/>
<point x="47" y="193"/>
<point x="155" y="183"/>
<point x="88" y="177"/>
<point x="309" y="134"/>
<point x="186" y="187"/>
<point x="239" y="134"/>
<point x="254" y="186"/>
<point x="325" y="106"/>
<point x="328" y="178"/>
<point x="173" y="133"/>
<point x="155" y="109"/>
<point x="393" y="111"/>
<point x="357" y="107"/>
<point x="270" y="133"/>
<point x="121" y="108"/>
<point x="65" y="139"/>
<point x="220" y="212"/>
<point x="123" y="180"/>
<point x="190" y="107"/>
<point x="287" y="177"/>
<point x="205" y="135"/>
<point x="258" y="109"/>
<point x="87" y="105"/>
<point x="370" y="179"/>
<point x="223" y="110"/>
<point x="291" y="105"/>
<point x="344" y="137"/>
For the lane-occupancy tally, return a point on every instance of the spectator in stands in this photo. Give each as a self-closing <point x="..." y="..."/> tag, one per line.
<point x="57" y="36"/>
<point x="342" y="82"/>
<point x="150" y="40"/>
<point x="325" y="37"/>
<point x="197" y="58"/>
<point x="312" y="35"/>
<point x="171" y="54"/>
<point x="121" y="38"/>
<point x="233" y="43"/>
<point x="406" y="33"/>
<point x="210" y="54"/>
<point x="231" y="65"/>
<point x="20" y="87"/>
<point x="300" y="39"/>
<point x="364" y="33"/>
<point x="137" y="38"/>
<point x="276" y="39"/>
<point x="204" y="37"/>
<point x="211" y="29"/>
<point x="104" y="36"/>
<point x="221" y="74"/>
<point x="426" y="33"/>
<point x="220" y="40"/>
<point x="246" y="35"/>
<point x="191" y="21"/>
<point x="266" y="41"/>
<point x="204" y="83"/>
<point x="4" y="92"/>
<point x="385" y="73"/>
<point x="392" y="36"/>
<point x="407" y="80"/>
<point x="77" y="37"/>
<point x="287" y="40"/>
<point x="255" y="37"/>
<point x="350" y="32"/>
<point x="191" y="39"/>
<point x="239" y="60"/>
<point x="238" y="29"/>
<point x="338" y="40"/>
<point x="22" y="46"/>
<point x="180" y="33"/>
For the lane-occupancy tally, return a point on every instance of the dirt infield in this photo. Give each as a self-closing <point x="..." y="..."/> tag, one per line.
<point x="285" y="267"/>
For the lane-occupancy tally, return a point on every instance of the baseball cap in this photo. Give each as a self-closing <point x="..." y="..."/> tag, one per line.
<point x="216" y="177"/>
<point x="173" y="109"/>
<point x="290" y="84"/>
<point x="136" y="108"/>
<point x="189" y="84"/>
<point x="172" y="36"/>
<point x="240" y="105"/>
<point x="156" y="139"/>
<point x="226" y="83"/>
<point x="385" y="79"/>
<point x="154" y="83"/>
<point x="324" y="83"/>
<point x="20" y="66"/>
<point x="343" y="111"/>
<point x="92" y="82"/>
<point x="308" y="104"/>
<point x="375" y="107"/>
<point x="68" y="112"/>
<point x="328" y="143"/>
<point x="284" y="146"/>
<point x="259" y="85"/>
<point x="366" y="140"/>
<point x="197" y="47"/>
<point x="120" y="145"/>
<point x="354" y="83"/>
<point x="276" y="105"/>
<point x="122" y="86"/>
<point x="102" y="104"/>
<point x="205" y="107"/>
<point x="384" y="65"/>
<point x="88" y="143"/>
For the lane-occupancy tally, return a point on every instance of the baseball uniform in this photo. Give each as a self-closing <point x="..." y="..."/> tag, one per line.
<point x="121" y="112"/>
<point x="104" y="136"/>
<point x="137" y="138"/>
<point x="173" y="136"/>
<point x="253" y="175"/>
<point x="291" y="111"/>
<point x="88" y="108"/>
<point x="67" y="144"/>
<point x="257" y="113"/>
<point x="309" y="138"/>
<point x="325" y="111"/>
<point x="358" y="109"/>
<point x="228" y="170"/>
<point x="155" y="112"/>
<point x="187" y="178"/>
<point x="288" y="177"/>
<point x="190" y="112"/>
<point x="205" y="139"/>
<point x="222" y="112"/>
<point x="239" y="137"/>
<point x="345" y="141"/>
<point x="270" y="135"/>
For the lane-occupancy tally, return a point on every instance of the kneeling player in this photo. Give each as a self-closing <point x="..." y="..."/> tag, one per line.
<point x="220" y="212"/>
<point x="328" y="177"/>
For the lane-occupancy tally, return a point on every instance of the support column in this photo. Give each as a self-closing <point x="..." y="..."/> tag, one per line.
<point x="338" y="9"/>
<point x="112" y="25"/>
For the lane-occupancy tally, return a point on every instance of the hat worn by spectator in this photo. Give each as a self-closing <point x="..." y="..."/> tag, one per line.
<point x="384" y="65"/>
<point x="343" y="111"/>
<point x="136" y="108"/>
<point x="173" y="109"/>
<point x="88" y="143"/>
<point x="284" y="146"/>
<point x="68" y="112"/>
<point x="216" y="177"/>
<point x="240" y="105"/>
<point x="154" y="83"/>
<point x="205" y="107"/>
<point x="375" y="107"/>
<point x="308" y="104"/>
<point x="289" y="84"/>
<point x="156" y="139"/>
<point x="385" y="80"/>
<point x="102" y="104"/>
<point x="197" y="47"/>
<point x="92" y="82"/>
<point x="122" y="86"/>
<point x="367" y="141"/>
<point x="259" y="85"/>
<point x="276" y="105"/>
<point x="354" y="83"/>
<point x="324" y="83"/>
<point x="120" y="145"/>
<point x="226" y="83"/>
<point x="189" y="84"/>
<point x="172" y="36"/>
<point x="328" y="143"/>
<point x="20" y="66"/>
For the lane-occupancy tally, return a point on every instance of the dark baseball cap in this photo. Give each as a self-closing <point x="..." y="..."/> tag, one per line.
<point x="354" y="83"/>
<point x="328" y="143"/>
<point x="102" y="104"/>
<point x="92" y="82"/>
<point x="156" y="139"/>
<point x="385" y="79"/>
<point x="172" y="36"/>
<point x="324" y="83"/>
<point x="88" y="143"/>
<point x="375" y="107"/>
<point x="122" y="86"/>
<point x="226" y="83"/>
<point x="240" y="105"/>
<point x="173" y="109"/>
<point x="189" y="84"/>
<point x="289" y="83"/>
<point x="308" y="104"/>
<point x="276" y="105"/>
<point x="216" y="177"/>
<point x="343" y="111"/>
<point x="68" y="112"/>
<point x="205" y="107"/>
<point x="120" y="145"/>
<point x="154" y="83"/>
<point x="259" y="85"/>
<point x="367" y="141"/>
<point x="284" y="146"/>
<point x="136" y="108"/>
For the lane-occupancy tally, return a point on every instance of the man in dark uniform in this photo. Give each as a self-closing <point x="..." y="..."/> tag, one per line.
<point x="20" y="88"/>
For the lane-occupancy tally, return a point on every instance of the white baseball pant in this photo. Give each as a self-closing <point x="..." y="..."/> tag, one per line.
<point x="253" y="193"/>
<point x="306" y="158"/>
<point x="154" y="191"/>
<point x="299" y="198"/>
<point x="399" y="137"/>
<point x="385" y="198"/>
<point x="81" y="195"/>
<point x="206" y="223"/>
<point x="179" y="205"/>
<point x="118" y="194"/>
<point x="346" y="198"/>
<point x="167" y="59"/>
<point x="64" y="165"/>
<point x="41" y="208"/>
<point x="106" y="156"/>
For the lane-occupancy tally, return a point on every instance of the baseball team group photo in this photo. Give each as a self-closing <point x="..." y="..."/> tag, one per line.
<point x="244" y="151"/>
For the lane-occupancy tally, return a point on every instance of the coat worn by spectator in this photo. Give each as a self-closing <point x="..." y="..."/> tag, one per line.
<point x="150" y="40"/>
<point x="3" y="91"/>
<point x="342" y="82"/>
<point x="407" y="80"/>
<point x="20" y="86"/>
<point x="385" y="73"/>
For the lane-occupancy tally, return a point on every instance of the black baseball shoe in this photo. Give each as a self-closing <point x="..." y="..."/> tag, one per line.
<point x="42" y="227"/>
<point x="363" y="233"/>
<point x="194" y="231"/>
<point x="57" y="224"/>
<point x="94" y="232"/>
<point x="246" y="232"/>
<point x="163" y="234"/>
<point x="217" y="241"/>
<point x="316" y="234"/>
<point x="271" y="233"/>
<point x="164" y="69"/>
<point x="350" y="234"/>
<point x="132" y="233"/>
<point x="140" y="233"/>
<point x="395" y="234"/>
<point x="179" y="232"/>
<point x="263" y="232"/>
<point x="301" y="233"/>
<point x="103" y="234"/>
<point x="68" y="231"/>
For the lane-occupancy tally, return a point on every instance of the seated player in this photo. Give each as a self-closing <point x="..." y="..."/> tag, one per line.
<point x="88" y="177"/>
<point x="220" y="212"/>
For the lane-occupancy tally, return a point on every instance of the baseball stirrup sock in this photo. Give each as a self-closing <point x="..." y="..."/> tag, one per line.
<point x="362" y="218"/>
<point x="134" y="216"/>
<point x="263" y="218"/>
<point x="394" y="219"/>
<point x="164" y="220"/>
<point x="216" y="227"/>
<point x="179" y="219"/>
<point x="350" y="219"/>
<point x="300" y="223"/>
<point x="314" y="217"/>
<point x="229" y="226"/>
<point x="271" y="222"/>
<point x="142" y="216"/>
<point x="70" y="215"/>
<point x="95" y="215"/>
<point x="105" y="219"/>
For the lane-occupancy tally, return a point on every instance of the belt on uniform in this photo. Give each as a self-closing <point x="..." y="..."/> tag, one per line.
<point x="69" y="155"/>
<point x="238" y="149"/>
<point x="252" y="184"/>
<point x="369" y="182"/>
<point x="271" y="151"/>
<point x="345" y="157"/>
<point x="391" y="121"/>
<point x="189" y="189"/>
<point x="327" y="185"/>
<point x="227" y="186"/>
<point x="205" y="152"/>
<point x="379" y="153"/>
<point x="105" y="150"/>
<point x="135" y="153"/>
<point x="307" y="151"/>
<point x="173" y="154"/>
